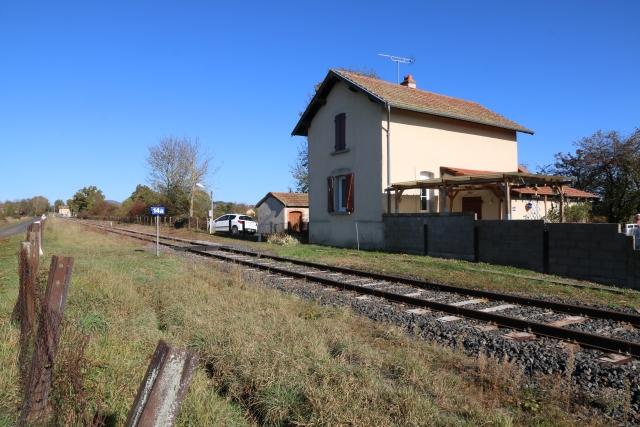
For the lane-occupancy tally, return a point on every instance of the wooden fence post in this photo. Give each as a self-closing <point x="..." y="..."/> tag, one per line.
<point x="38" y="383"/>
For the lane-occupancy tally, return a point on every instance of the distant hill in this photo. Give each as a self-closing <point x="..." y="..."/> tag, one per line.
<point x="113" y="202"/>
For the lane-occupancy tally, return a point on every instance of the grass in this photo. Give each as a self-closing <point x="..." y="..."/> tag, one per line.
<point x="266" y="358"/>
<point x="450" y="271"/>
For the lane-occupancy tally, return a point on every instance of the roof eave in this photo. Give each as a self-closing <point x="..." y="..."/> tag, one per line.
<point x="319" y="99"/>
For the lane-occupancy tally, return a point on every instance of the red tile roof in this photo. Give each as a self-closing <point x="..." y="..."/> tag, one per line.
<point x="292" y="200"/>
<point x="543" y="190"/>
<point x="409" y="98"/>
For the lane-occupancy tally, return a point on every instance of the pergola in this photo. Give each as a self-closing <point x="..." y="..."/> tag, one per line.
<point x="500" y="184"/>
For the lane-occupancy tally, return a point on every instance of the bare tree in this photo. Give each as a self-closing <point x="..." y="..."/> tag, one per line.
<point x="174" y="168"/>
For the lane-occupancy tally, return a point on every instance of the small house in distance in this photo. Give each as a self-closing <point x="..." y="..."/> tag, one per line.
<point x="64" y="211"/>
<point x="280" y="211"/>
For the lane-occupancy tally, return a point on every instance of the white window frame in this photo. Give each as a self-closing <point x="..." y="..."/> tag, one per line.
<point x="426" y="195"/>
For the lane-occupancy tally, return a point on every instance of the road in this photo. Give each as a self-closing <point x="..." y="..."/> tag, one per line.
<point x="17" y="228"/>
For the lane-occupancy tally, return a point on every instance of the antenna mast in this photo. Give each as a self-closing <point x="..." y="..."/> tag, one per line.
<point x="398" y="60"/>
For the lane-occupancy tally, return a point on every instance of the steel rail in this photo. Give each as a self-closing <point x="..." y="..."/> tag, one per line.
<point x="572" y="309"/>
<point x="583" y="339"/>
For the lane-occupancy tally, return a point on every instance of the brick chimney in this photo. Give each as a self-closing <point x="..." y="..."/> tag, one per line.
<point x="408" y="81"/>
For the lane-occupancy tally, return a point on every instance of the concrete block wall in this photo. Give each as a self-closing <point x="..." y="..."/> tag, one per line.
<point x="596" y="252"/>
<point x="449" y="235"/>
<point x="403" y="233"/>
<point x="515" y="243"/>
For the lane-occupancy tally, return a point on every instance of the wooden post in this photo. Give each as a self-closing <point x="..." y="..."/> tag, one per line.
<point x="561" y="188"/>
<point x="25" y="309"/>
<point x="46" y="347"/>
<point x="164" y="386"/>
<point x="507" y="201"/>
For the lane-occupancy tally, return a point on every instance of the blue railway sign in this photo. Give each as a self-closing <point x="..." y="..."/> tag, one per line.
<point x="157" y="210"/>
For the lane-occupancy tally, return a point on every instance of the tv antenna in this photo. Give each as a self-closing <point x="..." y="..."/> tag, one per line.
<point x="398" y="60"/>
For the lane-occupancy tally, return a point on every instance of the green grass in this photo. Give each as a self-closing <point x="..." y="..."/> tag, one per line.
<point x="266" y="358"/>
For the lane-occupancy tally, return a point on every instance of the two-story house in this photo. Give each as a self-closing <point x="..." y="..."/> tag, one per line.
<point x="366" y="134"/>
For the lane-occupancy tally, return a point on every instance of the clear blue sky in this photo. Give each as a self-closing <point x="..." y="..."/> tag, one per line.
<point x="86" y="87"/>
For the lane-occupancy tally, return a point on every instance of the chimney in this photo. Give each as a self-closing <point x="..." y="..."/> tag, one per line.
<point x="408" y="81"/>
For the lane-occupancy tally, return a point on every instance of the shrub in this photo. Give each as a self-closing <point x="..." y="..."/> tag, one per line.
<point x="282" y="239"/>
<point x="181" y="221"/>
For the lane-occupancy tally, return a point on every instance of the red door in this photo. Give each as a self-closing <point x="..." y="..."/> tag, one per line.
<point x="472" y="204"/>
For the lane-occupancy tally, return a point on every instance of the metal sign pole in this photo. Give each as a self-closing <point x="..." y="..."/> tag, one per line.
<point x="157" y="211"/>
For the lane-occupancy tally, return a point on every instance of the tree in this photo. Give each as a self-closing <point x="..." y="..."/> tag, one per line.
<point x="39" y="204"/>
<point x="606" y="164"/>
<point x="57" y="204"/>
<point x="85" y="199"/>
<point x="175" y="166"/>
<point x="300" y="169"/>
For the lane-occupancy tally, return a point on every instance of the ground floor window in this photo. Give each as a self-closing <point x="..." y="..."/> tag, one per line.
<point x="426" y="196"/>
<point x="342" y="198"/>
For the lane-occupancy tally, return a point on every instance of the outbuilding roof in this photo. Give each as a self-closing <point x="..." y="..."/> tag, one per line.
<point x="404" y="97"/>
<point x="290" y="200"/>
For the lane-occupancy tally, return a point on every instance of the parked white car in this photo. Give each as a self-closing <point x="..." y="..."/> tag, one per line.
<point x="235" y="223"/>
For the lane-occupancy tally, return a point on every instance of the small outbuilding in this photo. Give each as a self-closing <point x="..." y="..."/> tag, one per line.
<point x="64" y="211"/>
<point x="281" y="211"/>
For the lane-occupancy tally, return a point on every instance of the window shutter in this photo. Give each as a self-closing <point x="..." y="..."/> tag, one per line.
<point x="330" y="194"/>
<point x="340" y="142"/>
<point x="349" y="179"/>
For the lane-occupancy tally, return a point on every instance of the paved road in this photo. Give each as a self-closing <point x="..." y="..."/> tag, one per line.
<point x="17" y="229"/>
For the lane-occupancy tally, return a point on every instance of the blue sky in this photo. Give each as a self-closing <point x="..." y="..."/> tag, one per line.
<point x="86" y="87"/>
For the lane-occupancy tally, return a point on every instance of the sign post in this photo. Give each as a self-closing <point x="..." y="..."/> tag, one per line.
<point x="157" y="211"/>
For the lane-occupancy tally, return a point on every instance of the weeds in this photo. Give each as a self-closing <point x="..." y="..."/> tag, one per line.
<point x="282" y="239"/>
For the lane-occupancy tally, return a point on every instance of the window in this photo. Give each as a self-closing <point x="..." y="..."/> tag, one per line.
<point x="344" y="196"/>
<point x="426" y="195"/>
<point x="342" y="199"/>
<point x="340" y="126"/>
<point x="343" y="191"/>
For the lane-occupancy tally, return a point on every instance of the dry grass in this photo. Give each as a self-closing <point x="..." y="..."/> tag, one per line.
<point x="266" y="358"/>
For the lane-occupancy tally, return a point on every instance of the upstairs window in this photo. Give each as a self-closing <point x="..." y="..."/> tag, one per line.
<point x="340" y="126"/>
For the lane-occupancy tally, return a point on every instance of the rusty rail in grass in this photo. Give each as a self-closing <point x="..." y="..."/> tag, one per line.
<point x="164" y="386"/>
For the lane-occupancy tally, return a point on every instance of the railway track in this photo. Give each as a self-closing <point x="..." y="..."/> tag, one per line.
<point x="516" y="318"/>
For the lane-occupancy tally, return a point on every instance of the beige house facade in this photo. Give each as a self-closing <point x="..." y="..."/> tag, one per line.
<point x="366" y="134"/>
